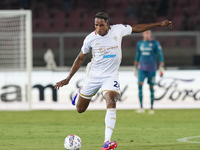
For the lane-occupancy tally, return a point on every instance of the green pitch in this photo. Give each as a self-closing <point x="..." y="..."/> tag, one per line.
<point x="44" y="130"/>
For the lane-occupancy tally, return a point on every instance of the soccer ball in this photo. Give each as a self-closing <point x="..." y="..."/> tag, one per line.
<point x="72" y="142"/>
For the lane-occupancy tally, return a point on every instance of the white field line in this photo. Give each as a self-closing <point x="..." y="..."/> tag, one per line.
<point x="185" y="139"/>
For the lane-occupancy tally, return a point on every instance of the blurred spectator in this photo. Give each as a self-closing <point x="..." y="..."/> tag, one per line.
<point x="198" y="25"/>
<point x="26" y="4"/>
<point x="67" y="4"/>
<point x="162" y="8"/>
<point x="187" y="24"/>
<point x="131" y="10"/>
<point x="142" y="11"/>
<point x="147" y="12"/>
<point x="14" y="4"/>
<point x="95" y="5"/>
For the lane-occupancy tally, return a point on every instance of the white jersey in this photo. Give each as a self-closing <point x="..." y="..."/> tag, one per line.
<point x="106" y="51"/>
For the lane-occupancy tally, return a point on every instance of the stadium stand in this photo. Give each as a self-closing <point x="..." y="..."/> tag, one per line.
<point x="62" y="16"/>
<point x="51" y="16"/>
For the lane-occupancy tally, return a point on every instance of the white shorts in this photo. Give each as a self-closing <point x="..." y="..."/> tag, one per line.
<point x="91" y="86"/>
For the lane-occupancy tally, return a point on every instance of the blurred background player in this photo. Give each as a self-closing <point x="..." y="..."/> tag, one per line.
<point x="145" y="66"/>
<point x="49" y="60"/>
<point x="102" y="71"/>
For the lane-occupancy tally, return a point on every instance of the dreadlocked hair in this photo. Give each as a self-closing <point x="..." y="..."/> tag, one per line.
<point x="102" y="15"/>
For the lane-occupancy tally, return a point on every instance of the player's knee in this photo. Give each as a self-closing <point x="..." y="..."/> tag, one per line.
<point x="82" y="104"/>
<point x="140" y="83"/>
<point x="80" y="109"/>
<point x="111" y="99"/>
<point x="111" y="103"/>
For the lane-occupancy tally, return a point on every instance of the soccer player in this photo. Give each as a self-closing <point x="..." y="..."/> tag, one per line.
<point x="145" y="66"/>
<point x="102" y="71"/>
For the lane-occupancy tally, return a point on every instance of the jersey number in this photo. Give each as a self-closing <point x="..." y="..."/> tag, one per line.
<point x="116" y="84"/>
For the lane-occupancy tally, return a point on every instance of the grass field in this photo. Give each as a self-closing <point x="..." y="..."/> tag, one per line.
<point x="44" y="130"/>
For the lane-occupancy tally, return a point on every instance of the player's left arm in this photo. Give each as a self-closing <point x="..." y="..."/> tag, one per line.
<point x="161" y="59"/>
<point x="136" y="61"/>
<point x="144" y="27"/>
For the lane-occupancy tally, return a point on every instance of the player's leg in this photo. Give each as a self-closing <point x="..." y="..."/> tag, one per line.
<point x="141" y="77"/>
<point x="110" y="91"/>
<point x="111" y="98"/>
<point x="151" y="95"/>
<point x="110" y="119"/>
<point x="80" y="101"/>
<point x="82" y="104"/>
<point x="151" y="82"/>
<point x="140" y="93"/>
<point x="84" y="95"/>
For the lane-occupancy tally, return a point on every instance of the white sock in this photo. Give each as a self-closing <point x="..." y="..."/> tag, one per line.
<point x="110" y="120"/>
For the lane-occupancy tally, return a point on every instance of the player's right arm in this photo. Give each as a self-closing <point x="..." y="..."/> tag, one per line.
<point x="76" y="65"/>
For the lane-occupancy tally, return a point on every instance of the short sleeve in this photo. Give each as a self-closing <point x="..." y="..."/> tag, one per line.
<point x="86" y="46"/>
<point x="126" y="29"/>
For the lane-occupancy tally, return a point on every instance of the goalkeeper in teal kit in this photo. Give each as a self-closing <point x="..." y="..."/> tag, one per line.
<point x="145" y="66"/>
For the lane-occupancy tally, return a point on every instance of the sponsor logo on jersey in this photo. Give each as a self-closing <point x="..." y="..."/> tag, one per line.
<point x="115" y="38"/>
<point x="143" y="48"/>
<point x="112" y="47"/>
<point x="109" y="56"/>
<point x="101" y="49"/>
<point x="145" y="53"/>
